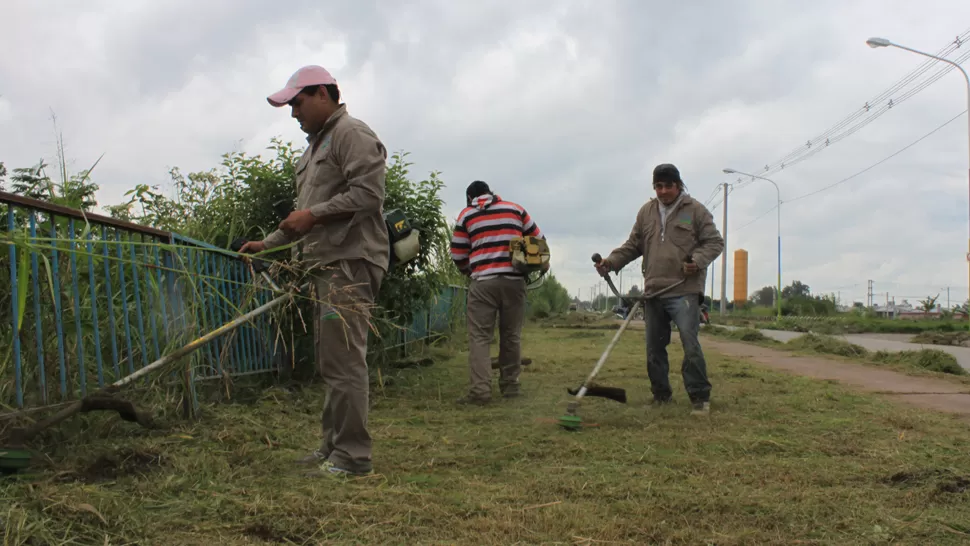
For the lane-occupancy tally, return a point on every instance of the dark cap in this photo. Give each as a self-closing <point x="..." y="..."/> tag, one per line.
<point x="476" y="188"/>
<point x="666" y="172"/>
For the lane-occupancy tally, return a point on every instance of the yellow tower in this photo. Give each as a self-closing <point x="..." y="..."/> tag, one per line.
<point x="740" y="276"/>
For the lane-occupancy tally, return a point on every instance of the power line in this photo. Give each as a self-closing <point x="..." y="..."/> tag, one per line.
<point x="872" y="109"/>
<point x="867" y="169"/>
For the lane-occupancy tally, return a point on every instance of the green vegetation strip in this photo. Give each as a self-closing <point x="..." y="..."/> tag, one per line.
<point x="932" y="360"/>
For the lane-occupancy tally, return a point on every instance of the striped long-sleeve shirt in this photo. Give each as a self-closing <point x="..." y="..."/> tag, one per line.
<point x="480" y="242"/>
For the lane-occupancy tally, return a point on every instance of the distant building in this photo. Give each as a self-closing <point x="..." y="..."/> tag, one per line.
<point x="906" y="310"/>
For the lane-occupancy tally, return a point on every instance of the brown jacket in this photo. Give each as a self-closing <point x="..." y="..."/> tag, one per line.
<point x="341" y="177"/>
<point x="690" y="230"/>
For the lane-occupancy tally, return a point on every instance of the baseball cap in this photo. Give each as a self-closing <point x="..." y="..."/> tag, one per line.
<point x="304" y="77"/>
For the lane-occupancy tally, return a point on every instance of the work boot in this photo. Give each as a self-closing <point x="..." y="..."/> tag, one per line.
<point x="700" y="408"/>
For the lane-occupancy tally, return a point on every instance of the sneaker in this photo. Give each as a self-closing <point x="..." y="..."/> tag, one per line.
<point x="327" y="468"/>
<point x="315" y="457"/>
<point x="469" y="400"/>
<point x="657" y="402"/>
<point x="700" y="408"/>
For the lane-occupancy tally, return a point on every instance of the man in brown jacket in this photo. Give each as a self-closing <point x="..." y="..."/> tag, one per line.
<point x="345" y="243"/>
<point x="668" y="229"/>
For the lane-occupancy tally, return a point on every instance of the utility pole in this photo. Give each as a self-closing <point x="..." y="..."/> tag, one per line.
<point x="724" y="255"/>
<point x="713" y="271"/>
<point x="869" y="300"/>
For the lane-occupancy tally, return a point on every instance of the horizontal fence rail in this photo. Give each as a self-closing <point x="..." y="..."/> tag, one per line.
<point x="86" y="300"/>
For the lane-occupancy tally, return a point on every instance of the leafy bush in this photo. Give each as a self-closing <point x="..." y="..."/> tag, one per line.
<point x="550" y="298"/>
<point x="249" y="196"/>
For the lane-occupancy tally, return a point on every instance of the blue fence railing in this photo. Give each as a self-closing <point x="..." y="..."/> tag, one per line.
<point x="86" y="300"/>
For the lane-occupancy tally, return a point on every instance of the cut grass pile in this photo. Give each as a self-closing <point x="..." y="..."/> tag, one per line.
<point x="781" y="460"/>
<point x="942" y="338"/>
<point x="920" y="360"/>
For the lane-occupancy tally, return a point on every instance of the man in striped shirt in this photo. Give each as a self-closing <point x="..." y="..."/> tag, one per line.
<point x="480" y="249"/>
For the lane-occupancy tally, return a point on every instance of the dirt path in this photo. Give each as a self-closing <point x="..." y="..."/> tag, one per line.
<point x="928" y="393"/>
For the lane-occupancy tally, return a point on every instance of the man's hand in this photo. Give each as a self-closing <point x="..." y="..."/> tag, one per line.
<point x="252" y="247"/>
<point x="299" y="222"/>
<point x="604" y="267"/>
<point x="690" y="268"/>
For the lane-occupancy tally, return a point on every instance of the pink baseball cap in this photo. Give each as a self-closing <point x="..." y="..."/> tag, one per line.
<point x="304" y="77"/>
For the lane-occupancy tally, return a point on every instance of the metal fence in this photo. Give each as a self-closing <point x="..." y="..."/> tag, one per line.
<point x="86" y="300"/>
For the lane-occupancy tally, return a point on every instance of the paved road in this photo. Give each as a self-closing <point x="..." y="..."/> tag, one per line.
<point x="877" y="342"/>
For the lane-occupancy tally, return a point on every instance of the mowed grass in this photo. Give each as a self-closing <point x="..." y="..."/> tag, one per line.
<point x="780" y="460"/>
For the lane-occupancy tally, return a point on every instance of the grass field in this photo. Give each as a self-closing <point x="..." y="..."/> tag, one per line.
<point x="780" y="460"/>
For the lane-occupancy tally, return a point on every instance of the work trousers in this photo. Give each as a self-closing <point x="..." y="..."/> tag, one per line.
<point x="346" y="292"/>
<point x="684" y="312"/>
<point x="505" y="297"/>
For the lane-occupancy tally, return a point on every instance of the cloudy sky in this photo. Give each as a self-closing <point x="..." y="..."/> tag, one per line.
<point x="564" y="106"/>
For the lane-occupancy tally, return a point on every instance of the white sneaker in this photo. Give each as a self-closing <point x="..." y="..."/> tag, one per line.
<point x="700" y="408"/>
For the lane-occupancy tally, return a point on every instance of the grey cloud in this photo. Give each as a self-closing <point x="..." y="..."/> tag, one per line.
<point x="703" y="84"/>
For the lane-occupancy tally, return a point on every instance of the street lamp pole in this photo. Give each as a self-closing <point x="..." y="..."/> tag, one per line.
<point x="882" y="42"/>
<point x="778" y="193"/>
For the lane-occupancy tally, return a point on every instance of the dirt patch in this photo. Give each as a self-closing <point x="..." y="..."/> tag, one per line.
<point x="934" y="394"/>
<point x="125" y="462"/>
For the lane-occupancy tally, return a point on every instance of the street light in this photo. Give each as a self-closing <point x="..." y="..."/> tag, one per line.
<point x="778" y="192"/>
<point x="882" y="42"/>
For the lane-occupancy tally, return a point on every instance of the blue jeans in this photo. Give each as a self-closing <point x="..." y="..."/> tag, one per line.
<point x="685" y="313"/>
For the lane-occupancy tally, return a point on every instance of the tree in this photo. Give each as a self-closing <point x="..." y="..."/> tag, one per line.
<point x="929" y="303"/>
<point x="549" y="298"/>
<point x="3" y="174"/>
<point x="795" y="289"/>
<point x="764" y="296"/>
<point x="634" y="292"/>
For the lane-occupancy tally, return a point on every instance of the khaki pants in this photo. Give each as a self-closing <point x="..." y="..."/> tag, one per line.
<point x="486" y="298"/>
<point x="347" y="291"/>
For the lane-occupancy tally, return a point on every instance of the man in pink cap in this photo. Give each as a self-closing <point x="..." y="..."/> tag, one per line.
<point x="345" y="243"/>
